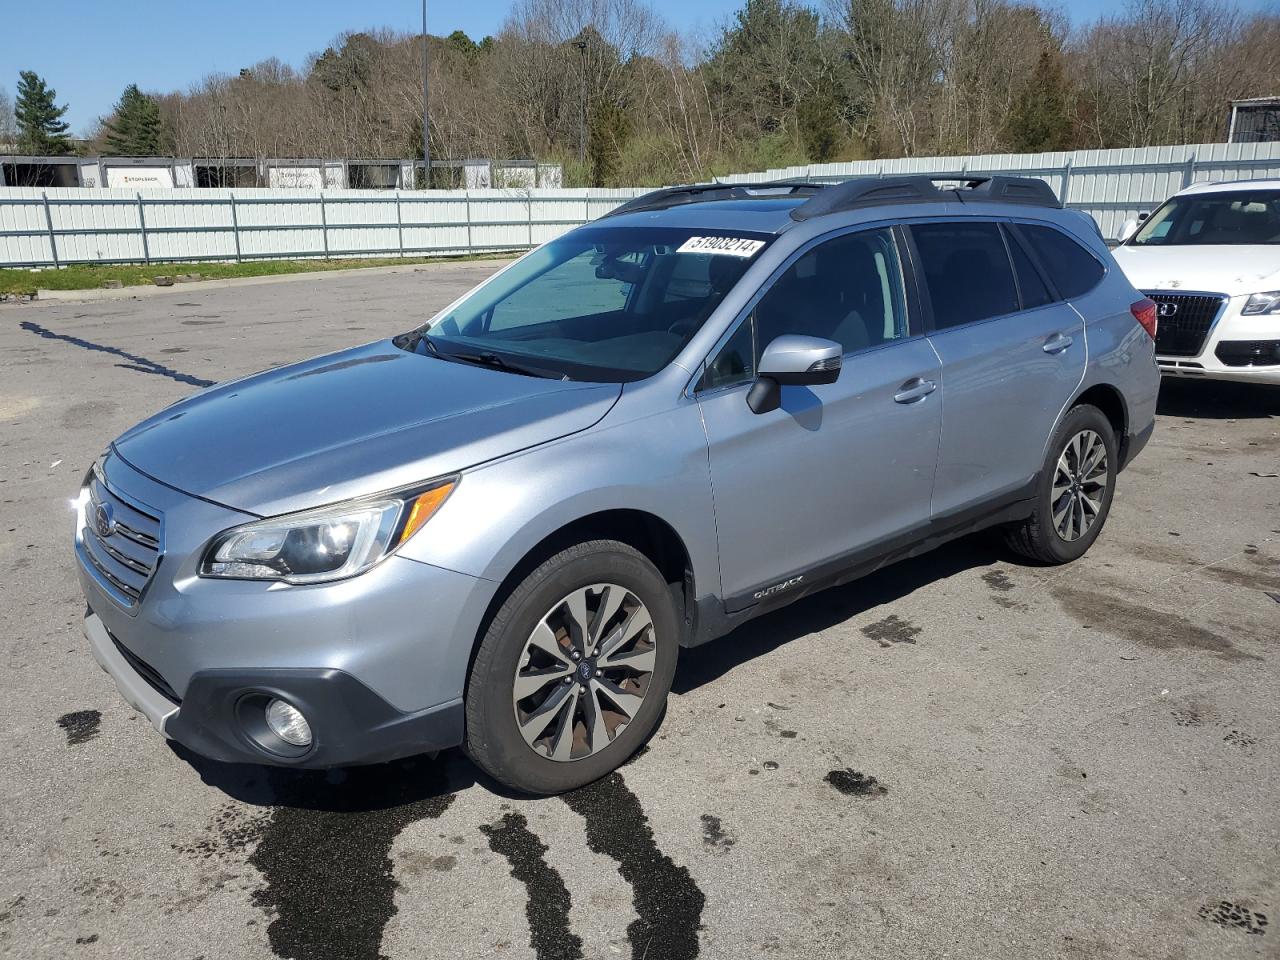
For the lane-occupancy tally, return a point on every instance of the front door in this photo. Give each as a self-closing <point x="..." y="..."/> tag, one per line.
<point x="836" y="468"/>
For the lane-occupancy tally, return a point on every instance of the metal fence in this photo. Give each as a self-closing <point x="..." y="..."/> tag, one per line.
<point x="56" y="227"/>
<point x="1111" y="185"/>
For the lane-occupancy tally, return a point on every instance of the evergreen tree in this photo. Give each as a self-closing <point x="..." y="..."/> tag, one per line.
<point x="1039" y="121"/>
<point x="818" y="119"/>
<point x="135" y="128"/>
<point x="608" y="129"/>
<point x="41" y="129"/>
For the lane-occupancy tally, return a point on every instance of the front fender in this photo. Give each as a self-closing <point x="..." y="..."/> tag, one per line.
<point x="501" y="510"/>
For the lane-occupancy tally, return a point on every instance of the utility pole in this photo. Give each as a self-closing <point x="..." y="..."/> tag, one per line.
<point x="582" y="102"/>
<point x="426" y="100"/>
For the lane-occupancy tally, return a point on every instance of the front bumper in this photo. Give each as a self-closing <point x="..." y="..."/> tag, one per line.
<point x="376" y="663"/>
<point x="1233" y="337"/>
<point x="350" y="724"/>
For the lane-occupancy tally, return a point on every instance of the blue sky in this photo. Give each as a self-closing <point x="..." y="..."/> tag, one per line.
<point x="89" y="50"/>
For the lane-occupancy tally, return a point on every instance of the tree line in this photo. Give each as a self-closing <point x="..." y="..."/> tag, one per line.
<point x="619" y="97"/>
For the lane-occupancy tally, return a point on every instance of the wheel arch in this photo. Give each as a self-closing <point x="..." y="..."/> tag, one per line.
<point x="1107" y="398"/>
<point x="646" y="532"/>
<point x="1110" y="401"/>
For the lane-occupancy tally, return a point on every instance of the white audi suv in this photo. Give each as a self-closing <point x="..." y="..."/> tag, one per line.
<point x="1209" y="257"/>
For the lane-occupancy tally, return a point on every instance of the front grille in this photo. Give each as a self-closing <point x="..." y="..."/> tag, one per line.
<point x="147" y="672"/>
<point x="1249" y="353"/>
<point x="125" y="551"/>
<point x="1184" y="321"/>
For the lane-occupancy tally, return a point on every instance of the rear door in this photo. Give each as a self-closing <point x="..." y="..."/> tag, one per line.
<point x="836" y="468"/>
<point x="1012" y="356"/>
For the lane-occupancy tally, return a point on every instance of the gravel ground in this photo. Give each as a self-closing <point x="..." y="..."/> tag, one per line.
<point x="961" y="756"/>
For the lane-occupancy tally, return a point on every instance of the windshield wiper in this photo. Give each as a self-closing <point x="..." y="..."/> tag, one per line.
<point x="489" y="359"/>
<point x="411" y="341"/>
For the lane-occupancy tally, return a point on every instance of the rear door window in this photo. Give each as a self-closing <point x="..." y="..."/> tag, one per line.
<point x="966" y="270"/>
<point x="1030" y="284"/>
<point x="1073" y="269"/>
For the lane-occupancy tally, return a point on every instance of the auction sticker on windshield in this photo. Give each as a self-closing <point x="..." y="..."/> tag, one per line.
<point x="727" y="246"/>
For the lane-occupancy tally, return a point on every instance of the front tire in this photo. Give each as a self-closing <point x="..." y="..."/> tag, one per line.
<point x="1074" y="493"/>
<point x="572" y="674"/>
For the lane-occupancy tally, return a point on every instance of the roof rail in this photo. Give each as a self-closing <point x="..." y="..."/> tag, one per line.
<point x="878" y="191"/>
<point x="830" y="197"/>
<point x="698" y="192"/>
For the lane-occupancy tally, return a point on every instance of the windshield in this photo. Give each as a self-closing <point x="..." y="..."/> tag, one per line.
<point x="1230" y="217"/>
<point x="603" y="304"/>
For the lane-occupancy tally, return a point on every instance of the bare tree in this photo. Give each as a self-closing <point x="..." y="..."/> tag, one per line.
<point x="8" y="124"/>
<point x="779" y="82"/>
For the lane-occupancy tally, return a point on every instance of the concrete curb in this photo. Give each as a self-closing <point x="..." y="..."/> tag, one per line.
<point x="130" y="293"/>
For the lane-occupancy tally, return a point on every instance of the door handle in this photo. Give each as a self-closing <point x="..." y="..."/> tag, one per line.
<point x="1057" y="343"/>
<point x="914" y="390"/>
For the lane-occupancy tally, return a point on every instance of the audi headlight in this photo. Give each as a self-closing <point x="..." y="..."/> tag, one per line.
<point x="1262" y="303"/>
<point x="331" y="543"/>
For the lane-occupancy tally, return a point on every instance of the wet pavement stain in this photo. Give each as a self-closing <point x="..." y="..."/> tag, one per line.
<point x="714" y="835"/>
<point x="1189" y="717"/>
<point x="1000" y="583"/>
<point x="1238" y="738"/>
<point x="1143" y="625"/>
<point x="892" y="629"/>
<point x="81" y="726"/>
<point x="997" y="581"/>
<point x="547" y="908"/>
<point x="324" y="853"/>
<point x="1232" y="915"/>
<point x="233" y="830"/>
<point x="854" y="784"/>
<point x="140" y="364"/>
<point x="667" y="901"/>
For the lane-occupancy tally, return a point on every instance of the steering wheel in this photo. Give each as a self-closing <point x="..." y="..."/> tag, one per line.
<point x="683" y="326"/>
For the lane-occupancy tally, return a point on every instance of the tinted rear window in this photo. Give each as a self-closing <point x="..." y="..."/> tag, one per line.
<point x="1072" y="268"/>
<point x="966" y="270"/>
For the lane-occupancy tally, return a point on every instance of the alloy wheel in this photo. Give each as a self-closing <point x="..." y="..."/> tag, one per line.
<point x="1079" y="485"/>
<point x="584" y="672"/>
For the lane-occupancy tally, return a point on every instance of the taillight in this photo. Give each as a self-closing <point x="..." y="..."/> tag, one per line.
<point x="1145" y="312"/>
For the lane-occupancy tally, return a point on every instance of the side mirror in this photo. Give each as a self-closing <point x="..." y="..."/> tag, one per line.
<point x="793" y="361"/>
<point x="1130" y="227"/>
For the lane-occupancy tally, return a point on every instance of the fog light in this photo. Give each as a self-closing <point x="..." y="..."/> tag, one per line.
<point x="288" y="723"/>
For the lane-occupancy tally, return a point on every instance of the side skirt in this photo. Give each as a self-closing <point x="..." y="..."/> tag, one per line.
<point x="714" y="618"/>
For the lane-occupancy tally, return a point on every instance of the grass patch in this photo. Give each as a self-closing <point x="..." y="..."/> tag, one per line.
<point x="92" y="276"/>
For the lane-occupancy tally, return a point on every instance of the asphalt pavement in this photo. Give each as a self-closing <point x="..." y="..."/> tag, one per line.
<point x="960" y="756"/>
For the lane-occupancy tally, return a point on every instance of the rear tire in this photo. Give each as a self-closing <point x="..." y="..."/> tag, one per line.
<point x="1074" y="492"/>
<point x="572" y="674"/>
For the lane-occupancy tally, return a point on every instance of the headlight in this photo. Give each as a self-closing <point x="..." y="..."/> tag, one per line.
<point x="331" y="543"/>
<point x="1261" y="303"/>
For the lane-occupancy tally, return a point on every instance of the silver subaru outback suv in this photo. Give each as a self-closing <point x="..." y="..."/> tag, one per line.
<point x="499" y="529"/>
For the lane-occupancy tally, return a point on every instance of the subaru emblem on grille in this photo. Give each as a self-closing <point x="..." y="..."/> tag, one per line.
<point x="1168" y="309"/>
<point x="104" y="521"/>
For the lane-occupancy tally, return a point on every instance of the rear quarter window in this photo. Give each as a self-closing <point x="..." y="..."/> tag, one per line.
<point x="1073" y="269"/>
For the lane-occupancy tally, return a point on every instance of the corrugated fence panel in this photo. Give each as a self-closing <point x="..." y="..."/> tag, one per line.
<point x="438" y="221"/>
<point x="58" y="226"/>
<point x="23" y="231"/>
<point x="188" y="224"/>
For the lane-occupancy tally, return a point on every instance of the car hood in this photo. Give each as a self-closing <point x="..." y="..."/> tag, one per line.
<point x="362" y="421"/>
<point x="1229" y="268"/>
